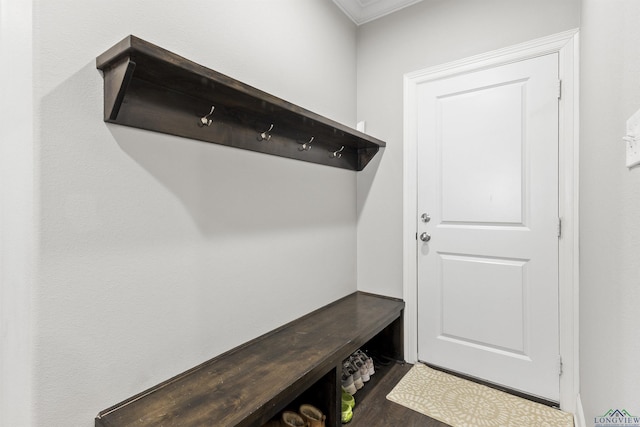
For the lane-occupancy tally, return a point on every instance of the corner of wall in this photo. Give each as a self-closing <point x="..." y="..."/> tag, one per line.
<point x="578" y="417"/>
<point x="16" y="213"/>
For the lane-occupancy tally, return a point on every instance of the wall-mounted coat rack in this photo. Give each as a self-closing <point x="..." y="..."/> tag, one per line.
<point x="151" y="88"/>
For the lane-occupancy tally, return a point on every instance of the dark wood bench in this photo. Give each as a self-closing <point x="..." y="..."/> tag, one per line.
<point x="299" y="362"/>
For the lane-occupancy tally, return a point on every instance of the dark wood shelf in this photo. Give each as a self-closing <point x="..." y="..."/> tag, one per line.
<point x="249" y="385"/>
<point x="150" y="88"/>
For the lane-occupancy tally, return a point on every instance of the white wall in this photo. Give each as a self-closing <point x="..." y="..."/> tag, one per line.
<point x="429" y="33"/>
<point x="17" y="237"/>
<point x="609" y="210"/>
<point x="156" y="253"/>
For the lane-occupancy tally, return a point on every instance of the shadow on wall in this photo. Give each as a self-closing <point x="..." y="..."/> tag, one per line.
<point x="91" y="192"/>
<point x="366" y="178"/>
<point x="227" y="190"/>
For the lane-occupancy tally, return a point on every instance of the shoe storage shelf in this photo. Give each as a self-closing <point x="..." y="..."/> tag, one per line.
<point x="151" y="88"/>
<point x="298" y="363"/>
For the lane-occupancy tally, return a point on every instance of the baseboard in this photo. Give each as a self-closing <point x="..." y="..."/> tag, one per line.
<point x="578" y="417"/>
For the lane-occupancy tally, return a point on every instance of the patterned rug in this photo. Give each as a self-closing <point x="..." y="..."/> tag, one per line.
<point x="462" y="403"/>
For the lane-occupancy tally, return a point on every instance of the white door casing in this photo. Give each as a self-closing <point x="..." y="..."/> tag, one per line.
<point x="488" y="177"/>
<point x="566" y="45"/>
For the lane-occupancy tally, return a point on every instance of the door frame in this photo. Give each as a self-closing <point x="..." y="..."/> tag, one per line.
<point x="566" y="45"/>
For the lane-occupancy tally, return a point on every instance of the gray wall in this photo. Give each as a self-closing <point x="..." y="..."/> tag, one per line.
<point x="17" y="233"/>
<point x="429" y="33"/>
<point x="609" y="209"/>
<point x="155" y="253"/>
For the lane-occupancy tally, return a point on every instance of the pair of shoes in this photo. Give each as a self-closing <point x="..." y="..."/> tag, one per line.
<point x="362" y="366"/>
<point x="309" y="416"/>
<point x="347" y="413"/>
<point x="313" y="415"/>
<point x="348" y="399"/>
<point x="347" y="381"/>
<point x="351" y="374"/>
<point x="293" y="419"/>
<point x="366" y="360"/>
<point x="358" y="369"/>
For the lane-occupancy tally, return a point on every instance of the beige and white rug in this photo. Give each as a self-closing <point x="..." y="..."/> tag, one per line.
<point x="462" y="403"/>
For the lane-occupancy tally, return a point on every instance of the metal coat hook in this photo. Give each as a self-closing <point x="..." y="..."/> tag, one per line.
<point x="265" y="136"/>
<point x="338" y="153"/>
<point x="205" y="120"/>
<point x="306" y="146"/>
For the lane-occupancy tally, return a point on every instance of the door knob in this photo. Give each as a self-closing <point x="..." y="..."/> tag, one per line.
<point x="425" y="217"/>
<point x="425" y="237"/>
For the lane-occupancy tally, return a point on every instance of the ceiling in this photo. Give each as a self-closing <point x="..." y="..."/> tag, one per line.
<point x="363" y="11"/>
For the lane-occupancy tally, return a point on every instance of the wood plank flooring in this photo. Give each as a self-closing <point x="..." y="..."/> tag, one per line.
<point x="374" y="410"/>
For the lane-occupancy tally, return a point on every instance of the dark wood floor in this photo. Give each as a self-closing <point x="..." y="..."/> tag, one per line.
<point x="374" y="410"/>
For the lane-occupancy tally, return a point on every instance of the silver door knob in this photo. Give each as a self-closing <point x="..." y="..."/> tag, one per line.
<point x="425" y="237"/>
<point x="425" y="217"/>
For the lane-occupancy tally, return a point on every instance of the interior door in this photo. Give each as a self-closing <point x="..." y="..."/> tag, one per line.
<point x="488" y="224"/>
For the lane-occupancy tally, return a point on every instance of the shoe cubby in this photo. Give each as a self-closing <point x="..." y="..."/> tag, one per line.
<point x="298" y="363"/>
<point x="321" y="395"/>
<point x="385" y="348"/>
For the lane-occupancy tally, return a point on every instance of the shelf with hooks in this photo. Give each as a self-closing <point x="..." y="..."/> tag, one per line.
<point x="150" y="88"/>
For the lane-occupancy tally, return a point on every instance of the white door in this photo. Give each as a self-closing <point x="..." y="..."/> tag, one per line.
<point x="488" y="180"/>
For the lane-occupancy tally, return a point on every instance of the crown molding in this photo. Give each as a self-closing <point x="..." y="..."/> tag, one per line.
<point x="363" y="11"/>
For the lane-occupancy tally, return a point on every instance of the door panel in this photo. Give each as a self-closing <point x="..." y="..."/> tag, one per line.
<point x="472" y="175"/>
<point x="498" y="323"/>
<point x="488" y="178"/>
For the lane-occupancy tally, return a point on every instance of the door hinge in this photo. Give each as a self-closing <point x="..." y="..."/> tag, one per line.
<point x="559" y="89"/>
<point x="559" y="365"/>
<point x="559" y="228"/>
